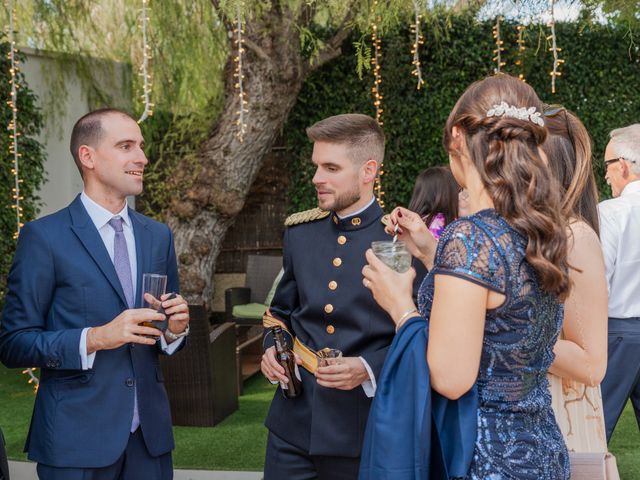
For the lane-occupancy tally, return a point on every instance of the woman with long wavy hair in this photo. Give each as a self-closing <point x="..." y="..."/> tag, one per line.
<point x="493" y="297"/>
<point x="581" y="352"/>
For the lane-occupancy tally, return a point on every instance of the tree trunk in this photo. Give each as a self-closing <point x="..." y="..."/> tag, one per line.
<point x="211" y="192"/>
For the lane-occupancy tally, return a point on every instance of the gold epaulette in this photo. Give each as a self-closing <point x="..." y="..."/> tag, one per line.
<point x="385" y="220"/>
<point x="306" y="216"/>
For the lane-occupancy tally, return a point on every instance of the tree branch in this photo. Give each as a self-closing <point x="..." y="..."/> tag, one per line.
<point x="255" y="48"/>
<point x="333" y="48"/>
<point x="228" y="23"/>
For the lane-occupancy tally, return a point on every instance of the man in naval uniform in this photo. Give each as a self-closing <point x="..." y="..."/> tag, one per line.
<point x="322" y="303"/>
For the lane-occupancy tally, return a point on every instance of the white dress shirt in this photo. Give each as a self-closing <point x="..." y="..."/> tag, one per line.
<point x="620" y="237"/>
<point x="100" y="217"/>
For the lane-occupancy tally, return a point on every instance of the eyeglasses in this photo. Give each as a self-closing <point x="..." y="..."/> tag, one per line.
<point x="609" y="162"/>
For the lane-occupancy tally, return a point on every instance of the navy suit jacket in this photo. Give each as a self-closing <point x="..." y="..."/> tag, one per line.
<point x="322" y="300"/>
<point x="62" y="280"/>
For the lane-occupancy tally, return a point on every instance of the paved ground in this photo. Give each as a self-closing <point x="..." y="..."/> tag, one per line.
<point x="27" y="471"/>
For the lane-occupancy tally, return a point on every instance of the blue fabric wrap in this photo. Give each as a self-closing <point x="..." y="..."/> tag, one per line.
<point x="413" y="433"/>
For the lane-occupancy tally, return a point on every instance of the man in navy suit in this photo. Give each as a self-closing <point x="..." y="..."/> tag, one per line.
<point x="101" y="411"/>
<point x="322" y="302"/>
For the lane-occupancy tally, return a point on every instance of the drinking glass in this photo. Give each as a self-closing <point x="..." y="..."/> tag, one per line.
<point x="155" y="285"/>
<point x="394" y="254"/>
<point x="329" y="356"/>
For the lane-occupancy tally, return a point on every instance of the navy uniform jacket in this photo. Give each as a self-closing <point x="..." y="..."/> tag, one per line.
<point x="323" y="302"/>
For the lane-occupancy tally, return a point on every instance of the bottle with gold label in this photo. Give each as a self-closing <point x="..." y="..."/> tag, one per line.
<point x="287" y="360"/>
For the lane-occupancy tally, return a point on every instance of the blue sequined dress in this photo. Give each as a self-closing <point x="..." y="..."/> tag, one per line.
<point x="518" y="437"/>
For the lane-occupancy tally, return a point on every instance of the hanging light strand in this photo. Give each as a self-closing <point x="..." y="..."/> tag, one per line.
<point x="238" y="32"/>
<point x="13" y="140"/>
<point x="376" y="60"/>
<point x="499" y="46"/>
<point x="557" y="61"/>
<point x="521" y="49"/>
<point x="418" y="39"/>
<point x="144" y="68"/>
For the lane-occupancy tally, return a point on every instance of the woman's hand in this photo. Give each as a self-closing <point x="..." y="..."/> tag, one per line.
<point x="414" y="233"/>
<point x="392" y="290"/>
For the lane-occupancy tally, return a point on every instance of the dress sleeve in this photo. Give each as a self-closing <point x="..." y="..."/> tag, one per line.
<point x="467" y="250"/>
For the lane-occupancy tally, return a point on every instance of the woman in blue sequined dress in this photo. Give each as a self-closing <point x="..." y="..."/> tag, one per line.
<point x="494" y="291"/>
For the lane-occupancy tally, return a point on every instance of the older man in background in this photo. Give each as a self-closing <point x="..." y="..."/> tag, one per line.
<point x="620" y="236"/>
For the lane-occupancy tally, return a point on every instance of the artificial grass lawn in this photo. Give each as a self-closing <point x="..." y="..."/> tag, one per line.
<point x="238" y="443"/>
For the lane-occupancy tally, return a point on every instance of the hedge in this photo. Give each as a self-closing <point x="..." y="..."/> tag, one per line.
<point x="31" y="166"/>
<point x="599" y="82"/>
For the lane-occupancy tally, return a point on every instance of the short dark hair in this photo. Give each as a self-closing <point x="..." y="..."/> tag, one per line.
<point x="88" y="131"/>
<point x="360" y="133"/>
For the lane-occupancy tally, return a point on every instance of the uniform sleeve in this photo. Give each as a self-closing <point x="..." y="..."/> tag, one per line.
<point x="24" y="340"/>
<point x="467" y="251"/>
<point x="285" y="299"/>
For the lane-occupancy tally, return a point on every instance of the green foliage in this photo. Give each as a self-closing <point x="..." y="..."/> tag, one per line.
<point x="458" y="49"/>
<point x="170" y="138"/>
<point x="30" y="163"/>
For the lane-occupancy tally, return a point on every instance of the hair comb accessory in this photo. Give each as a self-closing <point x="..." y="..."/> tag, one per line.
<point x="505" y="110"/>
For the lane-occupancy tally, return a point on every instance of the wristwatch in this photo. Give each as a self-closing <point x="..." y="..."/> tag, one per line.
<point x="175" y="336"/>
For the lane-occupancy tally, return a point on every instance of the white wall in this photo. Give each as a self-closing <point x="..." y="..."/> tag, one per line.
<point x="44" y="73"/>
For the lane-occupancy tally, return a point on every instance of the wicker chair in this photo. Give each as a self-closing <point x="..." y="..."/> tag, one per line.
<point x="201" y="380"/>
<point x="245" y="306"/>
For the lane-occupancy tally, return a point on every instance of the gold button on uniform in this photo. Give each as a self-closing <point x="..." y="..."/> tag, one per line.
<point x="333" y="285"/>
<point x="328" y="308"/>
<point x="342" y="239"/>
<point x="356" y="221"/>
<point x="330" y="329"/>
<point x="337" y="262"/>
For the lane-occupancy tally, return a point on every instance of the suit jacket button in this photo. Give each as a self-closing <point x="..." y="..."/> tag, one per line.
<point x="328" y="308"/>
<point x="342" y="239"/>
<point x="333" y="285"/>
<point x="330" y="329"/>
<point x="130" y="382"/>
<point x="337" y="262"/>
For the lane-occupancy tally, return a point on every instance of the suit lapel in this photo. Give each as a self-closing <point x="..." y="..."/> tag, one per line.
<point x="86" y="232"/>
<point x="144" y="247"/>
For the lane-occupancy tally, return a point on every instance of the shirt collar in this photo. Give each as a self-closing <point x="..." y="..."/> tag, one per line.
<point x="99" y="215"/>
<point x="357" y="220"/>
<point x="373" y="198"/>
<point x="632" y="187"/>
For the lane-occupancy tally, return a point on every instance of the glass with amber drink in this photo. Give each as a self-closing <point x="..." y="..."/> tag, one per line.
<point x="155" y="285"/>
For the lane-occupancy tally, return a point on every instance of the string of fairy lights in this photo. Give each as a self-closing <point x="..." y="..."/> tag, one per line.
<point x="554" y="49"/>
<point x="376" y="60"/>
<point x="418" y="39"/>
<point x="14" y="135"/>
<point x="521" y="52"/>
<point x="144" y="68"/>
<point x="238" y="74"/>
<point x="499" y="46"/>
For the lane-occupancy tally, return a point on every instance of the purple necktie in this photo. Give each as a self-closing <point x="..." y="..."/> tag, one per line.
<point x="121" y="260"/>
<point x="123" y="269"/>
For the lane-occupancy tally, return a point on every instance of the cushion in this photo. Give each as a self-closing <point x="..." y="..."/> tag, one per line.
<point x="249" y="310"/>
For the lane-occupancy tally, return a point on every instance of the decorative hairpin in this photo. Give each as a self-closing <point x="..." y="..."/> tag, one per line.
<point x="523" y="113"/>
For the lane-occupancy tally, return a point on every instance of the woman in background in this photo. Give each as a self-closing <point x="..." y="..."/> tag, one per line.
<point x="435" y="198"/>
<point x="581" y="351"/>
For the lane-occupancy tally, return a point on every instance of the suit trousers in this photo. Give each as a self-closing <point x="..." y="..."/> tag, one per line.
<point x="622" y="380"/>
<point x="134" y="464"/>
<point x="286" y="461"/>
